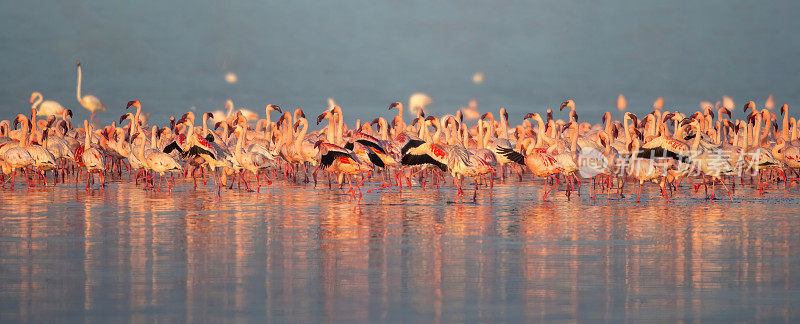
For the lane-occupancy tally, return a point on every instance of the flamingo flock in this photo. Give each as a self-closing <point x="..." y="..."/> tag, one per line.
<point x="706" y="148"/>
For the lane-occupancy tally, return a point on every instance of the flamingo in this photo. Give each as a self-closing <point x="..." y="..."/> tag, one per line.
<point x="45" y="108"/>
<point x="159" y="162"/>
<point x="335" y="159"/>
<point x="92" y="158"/>
<point x="643" y="169"/>
<point x="90" y="102"/>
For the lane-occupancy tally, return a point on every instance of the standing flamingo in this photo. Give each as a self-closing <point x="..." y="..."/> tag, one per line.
<point x="90" y="102"/>
<point x="45" y="108"/>
<point x="92" y="158"/>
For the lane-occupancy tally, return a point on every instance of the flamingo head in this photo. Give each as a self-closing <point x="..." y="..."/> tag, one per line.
<point x="397" y="105"/>
<point x="669" y="116"/>
<point x="644" y="121"/>
<point x="375" y="121"/>
<point x="725" y="111"/>
<point x="34" y="95"/>
<point x="318" y="143"/>
<point x="134" y="103"/>
<point x="504" y="112"/>
<point x="784" y="109"/>
<point x="321" y="116"/>
<point x="567" y="126"/>
<point x="686" y="121"/>
<point x="275" y="108"/>
<point x="567" y="104"/>
<point x="219" y="124"/>
<point x="749" y="105"/>
<point x="531" y="115"/>
<point x="20" y="119"/>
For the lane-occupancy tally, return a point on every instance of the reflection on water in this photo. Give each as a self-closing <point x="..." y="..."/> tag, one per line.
<point x="300" y="254"/>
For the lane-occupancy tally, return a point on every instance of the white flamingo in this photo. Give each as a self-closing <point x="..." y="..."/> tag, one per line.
<point x="90" y="102"/>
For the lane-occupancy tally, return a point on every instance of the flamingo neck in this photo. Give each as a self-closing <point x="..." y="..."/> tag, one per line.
<point x="153" y="138"/>
<point x="37" y="102"/>
<point x="190" y="132"/>
<point x="205" y="124"/>
<point x="87" y="138"/>
<point x="480" y="134"/>
<point x="489" y="133"/>
<point x="78" y="87"/>
<point x="573" y="140"/>
<point x="298" y="140"/>
<point x="340" y="128"/>
<point x="757" y="132"/>
<point x="384" y="126"/>
<point x="696" y="142"/>
<point x="438" y="131"/>
<point x="785" y="126"/>
<point x="627" y="131"/>
<point x="240" y="140"/>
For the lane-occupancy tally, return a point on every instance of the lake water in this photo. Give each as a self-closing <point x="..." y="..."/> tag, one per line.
<point x="299" y="254"/>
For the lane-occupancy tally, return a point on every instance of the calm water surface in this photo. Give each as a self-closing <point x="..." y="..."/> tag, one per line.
<point x="294" y="253"/>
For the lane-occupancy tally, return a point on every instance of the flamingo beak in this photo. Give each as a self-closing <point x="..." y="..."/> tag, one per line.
<point x="319" y="118"/>
<point x="131" y="103"/>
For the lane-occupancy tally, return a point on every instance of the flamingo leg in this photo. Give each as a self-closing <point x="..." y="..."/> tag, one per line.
<point x="475" y="194"/>
<point x="639" y="196"/>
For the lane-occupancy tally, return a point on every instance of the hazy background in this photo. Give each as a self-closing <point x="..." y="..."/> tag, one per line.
<point x="173" y="55"/>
